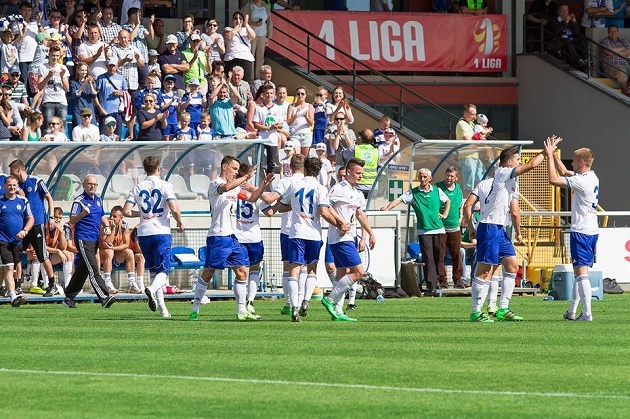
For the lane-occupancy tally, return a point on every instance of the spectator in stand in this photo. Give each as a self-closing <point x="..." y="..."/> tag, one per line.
<point x="82" y="93"/>
<point x="244" y="95"/>
<point x="94" y="52"/>
<point x="6" y="118"/>
<point x="326" y="172"/>
<point x="482" y="130"/>
<point x="110" y="131"/>
<point x="341" y="141"/>
<point x="238" y="45"/>
<point x="19" y="96"/>
<point x="197" y="61"/>
<point x="32" y="131"/>
<point x="384" y="122"/>
<point x="264" y="77"/>
<point x="127" y="4"/>
<point x="110" y="88"/>
<point x="474" y="7"/>
<point x="300" y="119"/>
<point x="130" y="61"/>
<point x="151" y="87"/>
<point x="173" y="62"/>
<point x="109" y="28"/>
<point x="183" y="36"/>
<point x="388" y="147"/>
<point x="471" y="167"/>
<point x="193" y="103"/>
<point x="77" y="32"/>
<point x="137" y="38"/>
<point x="593" y="10"/>
<point x="380" y="6"/>
<point x="213" y="42"/>
<point x="154" y="68"/>
<point x="56" y="133"/>
<point x="157" y="38"/>
<point x="322" y="110"/>
<point x="40" y="57"/>
<point x="281" y="100"/>
<point x="621" y="9"/>
<point x="575" y="45"/>
<point x="68" y="9"/>
<point x="615" y="55"/>
<point x="151" y="121"/>
<point x="340" y="104"/>
<point x="17" y="123"/>
<point x="55" y="24"/>
<point x="185" y="132"/>
<point x="262" y="23"/>
<point x="28" y="43"/>
<point x="86" y="131"/>
<point x="8" y="52"/>
<point x="53" y="81"/>
<point x="168" y="102"/>
<point x="221" y="109"/>
<point x="269" y="123"/>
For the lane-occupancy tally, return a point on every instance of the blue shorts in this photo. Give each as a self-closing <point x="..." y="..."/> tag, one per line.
<point x="224" y="252"/>
<point x="328" y="255"/>
<point x="254" y="252"/>
<point x="284" y="247"/>
<point x="583" y="248"/>
<point x="304" y="251"/>
<point x="346" y="254"/>
<point x="493" y="244"/>
<point x="318" y="135"/>
<point x="171" y="129"/>
<point x="157" y="252"/>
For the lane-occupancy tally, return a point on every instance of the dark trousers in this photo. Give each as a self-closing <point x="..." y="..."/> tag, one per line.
<point x="431" y="248"/>
<point x="453" y="241"/>
<point x="271" y="152"/>
<point x="86" y="267"/>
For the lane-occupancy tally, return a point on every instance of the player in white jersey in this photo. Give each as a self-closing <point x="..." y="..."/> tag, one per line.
<point x="249" y="235"/>
<point x="493" y="244"/>
<point x="349" y="204"/>
<point x="156" y="203"/>
<point x="480" y="193"/>
<point x="222" y="248"/>
<point x="308" y="202"/>
<point x="584" y="185"/>
<point x="297" y="167"/>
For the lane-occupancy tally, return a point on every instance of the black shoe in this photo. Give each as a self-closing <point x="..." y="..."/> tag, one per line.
<point x="295" y="316"/>
<point x="350" y="307"/>
<point x="460" y="285"/>
<point x="152" y="304"/>
<point x="69" y="303"/>
<point x="109" y="301"/>
<point x="18" y="291"/>
<point x="51" y="291"/>
<point x="303" y="309"/>
<point x="19" y="300"/>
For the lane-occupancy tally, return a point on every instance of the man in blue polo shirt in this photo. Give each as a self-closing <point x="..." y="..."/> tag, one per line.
<point x="15" y="222"/>
<point x="36" y="192"/>
<point x="111" y="88"/>
<point x="88" y="217"/>
<point x="173" y="62"/>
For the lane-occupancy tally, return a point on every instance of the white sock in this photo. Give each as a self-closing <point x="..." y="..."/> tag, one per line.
<point x="131" y="278"/>
<point x="254" y="281"/>
<point x="35" y="270"/>
<point x="159" y="281"/>
<point x="494" y="291"/>
<point x="352" y="293"/>
<point x="575" y="300"/>
<point x="311" y="283"/>
<point x="285" y="288"/>
<point x="293" y="292"/>
<point x="67" y="272"/>
<point x="302" y="284"/>
<point x="200" y="291"/>
<point x="240" y="293"/>
<point x="479" y="292"/>
<point x="107" y="277"/>
<point x="340" y="288"/>
<point x="13" y="295"/>
<point x="140" y="281"/>
<point x="507" y="289"/>
<point x="159" y="296"/>
<point x="333" y="277"/>
<point x="584" y="288"/>
<point x="339" y="304"/>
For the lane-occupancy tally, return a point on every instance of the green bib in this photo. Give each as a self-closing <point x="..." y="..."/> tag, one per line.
<point x="369" y="154"/>
<point x="456" y="197"/>
<point x="426" y="205"/>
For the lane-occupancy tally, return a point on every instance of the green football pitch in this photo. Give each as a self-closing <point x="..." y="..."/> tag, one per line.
<point x="404" y="358"/>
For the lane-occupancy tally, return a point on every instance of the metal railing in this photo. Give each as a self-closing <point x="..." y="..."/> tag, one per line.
<point x="439" y="123"/>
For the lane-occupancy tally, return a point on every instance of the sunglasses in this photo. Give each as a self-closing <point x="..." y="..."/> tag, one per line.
<point x="319" y="95"/>
<point x="110" y="125"/>
<point x="86" y="116"/>
<point x="54" y="123"/>
<point x="301" y="94"/>
<point x="148" y="101"/>
<point x="340" y="119"/>
<point x="214" y="25"/>
<point x="15" y="75"/>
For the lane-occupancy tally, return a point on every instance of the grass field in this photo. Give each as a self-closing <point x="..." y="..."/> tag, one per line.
<point x="404" y="358"/>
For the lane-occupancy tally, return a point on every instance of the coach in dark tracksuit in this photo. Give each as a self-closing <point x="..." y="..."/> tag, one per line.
<point x="88" y="216"/>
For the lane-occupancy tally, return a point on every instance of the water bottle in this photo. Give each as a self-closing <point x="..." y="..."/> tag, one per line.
<point x="263" y="285"/>
<point x="380" y="297"/>
<point x="548" y="298"/>
<point x="194" y="277"/>
<point x="274" y="283"/>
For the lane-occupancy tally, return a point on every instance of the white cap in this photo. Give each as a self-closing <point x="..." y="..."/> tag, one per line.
<point x="109" y="120"/>
<point x="482" y="119"/>
<point x="289" y="145"/>
<point x="320" y="146"/>
<point x="194" y="81"/>
<point x="171" y="39"/>
<point x="195" y="37"/>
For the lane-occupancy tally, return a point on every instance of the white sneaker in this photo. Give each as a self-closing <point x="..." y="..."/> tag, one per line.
<point x="250" y="308"/>
<point x="134" y="289"/>
<point x="111" y="289"/>
<point x="164" y="312"/>
<point x="205" y="300"/>
<point x="584" y="318"/>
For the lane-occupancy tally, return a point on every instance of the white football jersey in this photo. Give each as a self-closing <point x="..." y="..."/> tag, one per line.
<point x="496" y="206"/>
<point x="152" y="196"/>
<point x="281" y="188"/>
<point x="222" y="207"/>
<point x="248" y="221"/>
<point x="482" y="190"/>
<point x="305" y="197"/>
<point x="584" y="200"/>
<point x="346" y="200"/>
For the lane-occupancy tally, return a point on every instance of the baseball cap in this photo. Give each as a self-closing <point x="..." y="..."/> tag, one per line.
<point x="14" y="69"/>
<point x="153" y="53"/>
<point x="112" y="61"/>
<point x="109" y="120"/>
<point x="389" y="131"/>
<point x="195" y="37"/>
<point x="289" y="145"/>
<point x="41" y="36"/>
<point x="194" y="81"/>
<point x="55" y="36"/>
<point x="170" y="77"/>
<point x="171" y="39"/>
<point x="320" y="147"/>
<point x="482" y="119"/>
<point x="86" y="111"/>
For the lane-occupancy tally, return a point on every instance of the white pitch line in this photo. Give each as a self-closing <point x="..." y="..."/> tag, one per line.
<point x="316" y="384"/>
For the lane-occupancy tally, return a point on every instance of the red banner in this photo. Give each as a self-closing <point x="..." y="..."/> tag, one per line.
<point x="394" y="41"/>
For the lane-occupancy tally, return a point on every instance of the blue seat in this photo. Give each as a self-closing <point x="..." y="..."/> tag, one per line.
<point x="183" y="250"/>
<point x="201" y="254"/>
<point x="413" y="251"/>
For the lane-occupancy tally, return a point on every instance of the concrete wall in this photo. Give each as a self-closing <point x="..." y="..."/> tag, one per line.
<point x="554" y="102"/>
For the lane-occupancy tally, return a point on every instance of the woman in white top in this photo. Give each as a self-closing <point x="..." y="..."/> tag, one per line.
<point x="238" y="46"/>
<point x="340" y="104"/>
<point x="213" y="42"/>
<point x="300" y="119"/>
<point x="260" y="20"/>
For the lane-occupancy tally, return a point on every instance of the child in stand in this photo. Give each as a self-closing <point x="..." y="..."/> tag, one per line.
<point x="193" y="103"/>
<point x="323" y="109"/>
<point x="110" y="130"/>
<point x="169" y="101"/>
<point x="206" y="159"/>
<point x="41" y="57"/>
<point x="8" y="54"/>
<point x="154" y="68"/>
<point x="481" y="128"/>
<point x="285" y="163"/>
<point x="185" y="132"/>
<point x="32" y="131"/>
<point x="326" y="172"/>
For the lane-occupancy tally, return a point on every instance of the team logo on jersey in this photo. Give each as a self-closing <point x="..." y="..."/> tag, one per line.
<point x="29" y="189"/>
<point x="19" y="206"/>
